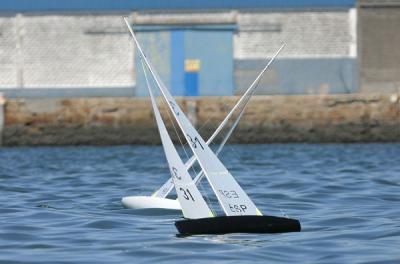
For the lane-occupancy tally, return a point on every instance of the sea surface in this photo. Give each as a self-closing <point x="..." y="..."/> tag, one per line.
<point x="62" y="205"/>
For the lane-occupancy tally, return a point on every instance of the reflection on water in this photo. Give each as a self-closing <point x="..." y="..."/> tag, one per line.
<point x="63" y="204"/>
<point x="235" y="239"/>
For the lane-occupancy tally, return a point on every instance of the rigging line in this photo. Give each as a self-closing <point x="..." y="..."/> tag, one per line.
<point x="246" y="99"/>
<point x="236" y="155"/>
<point x="177" y="134"/>
<point x="180" y="141"/>
<point x="224" y="105"/>
<point x="230" y="131"/>
<point x="202" y="126"/>
<point x="233" y="151"/>
<point x="210" y="205"/>
<point x="179" y="138"/>
<point x="206" y="195"/>
<point x="201" y="184"/>
<point x="169" y="114"/>
<point x="208" y="201"/>
<point x="184" y="149"/>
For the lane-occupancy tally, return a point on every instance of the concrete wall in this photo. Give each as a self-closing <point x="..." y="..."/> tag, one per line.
<point x="320" y="56"/>
<point x="65" y="50"/>
<point x="299" y="76"/>
<point x="110" y="121"/>
<point x="9" y="52"/>
<point x="379" y="38"/>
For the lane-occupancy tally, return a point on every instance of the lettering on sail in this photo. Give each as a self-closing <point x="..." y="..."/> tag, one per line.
<point x="186" y="194"/>
<point x="238" y="208"/>
<point x="174" y="108"/>
<point x="174" y="172"/>
<point x="231" y="194"/>
<point x="195" y="142"/>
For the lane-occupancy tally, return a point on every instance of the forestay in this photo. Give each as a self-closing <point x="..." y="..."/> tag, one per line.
<point x="191" y="200"/>
<point x="232" y="198"/>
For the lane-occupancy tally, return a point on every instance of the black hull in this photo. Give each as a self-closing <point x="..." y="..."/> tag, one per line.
<point x="237" y="224"/>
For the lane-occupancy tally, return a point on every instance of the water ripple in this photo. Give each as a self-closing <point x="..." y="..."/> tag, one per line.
<point x="62" y="205"/>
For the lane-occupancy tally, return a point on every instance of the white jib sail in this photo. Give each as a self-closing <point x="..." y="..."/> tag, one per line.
<point x="232" y="198"/>
<point x="166" y="188"/>
<point x="191" y="200"/>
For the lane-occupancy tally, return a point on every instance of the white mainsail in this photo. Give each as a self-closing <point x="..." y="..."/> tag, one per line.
<point x="166" y="188"/>
<point x="191" y="200"/>
<point x="232" y="198"/>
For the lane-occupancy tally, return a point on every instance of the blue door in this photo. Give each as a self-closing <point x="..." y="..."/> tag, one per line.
<point x="214" y="51"/>
<point x="208" y="50"/>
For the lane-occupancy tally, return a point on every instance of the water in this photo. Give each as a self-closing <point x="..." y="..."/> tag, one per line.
<point x="62" y="205"/>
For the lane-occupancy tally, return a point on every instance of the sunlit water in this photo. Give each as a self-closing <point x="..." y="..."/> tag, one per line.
<point x="62" y="205"/>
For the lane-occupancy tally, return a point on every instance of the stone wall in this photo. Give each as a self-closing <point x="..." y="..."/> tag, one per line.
<point x="268" y="119"/>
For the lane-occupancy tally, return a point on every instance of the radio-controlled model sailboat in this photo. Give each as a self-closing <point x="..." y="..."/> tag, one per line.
<point x="240" y="213"/>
